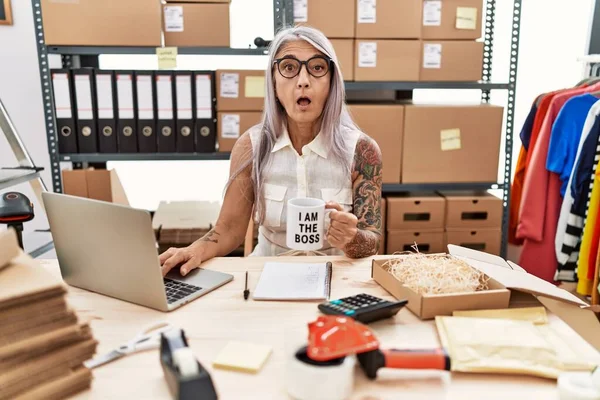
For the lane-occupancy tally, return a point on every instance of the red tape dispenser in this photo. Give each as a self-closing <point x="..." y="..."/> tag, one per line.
<point x="332" y="337"/>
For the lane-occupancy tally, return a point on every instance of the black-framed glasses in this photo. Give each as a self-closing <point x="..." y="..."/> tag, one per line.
<point x="290" y="67"/>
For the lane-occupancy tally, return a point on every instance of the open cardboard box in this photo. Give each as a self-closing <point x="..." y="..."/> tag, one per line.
<point x="509" y="284"/>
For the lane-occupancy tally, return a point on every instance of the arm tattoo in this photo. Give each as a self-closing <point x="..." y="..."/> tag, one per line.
<point x="367" y="199"/>
<point x="211" y="236"/>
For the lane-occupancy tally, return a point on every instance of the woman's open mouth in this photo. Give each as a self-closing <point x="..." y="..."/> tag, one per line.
<point x="303" y="102"/>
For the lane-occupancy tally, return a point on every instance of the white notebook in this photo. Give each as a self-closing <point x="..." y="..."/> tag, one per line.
<point x="294" y="281"/>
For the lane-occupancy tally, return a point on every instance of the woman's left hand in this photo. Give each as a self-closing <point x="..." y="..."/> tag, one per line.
<point x="343" y="227"/>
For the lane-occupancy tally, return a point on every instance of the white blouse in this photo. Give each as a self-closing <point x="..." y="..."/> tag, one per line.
<point x="290" y="175"/>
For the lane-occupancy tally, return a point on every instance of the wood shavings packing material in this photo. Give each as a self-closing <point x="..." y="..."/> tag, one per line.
<point x="437" y="274"/>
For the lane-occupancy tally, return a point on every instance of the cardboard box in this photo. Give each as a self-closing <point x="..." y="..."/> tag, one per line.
<point x="344" y="49"/>
<point x="383" y="225"/>
<point x="487" y="240"/>
<point x="384" y="123"/>
<point x="416" y="212"/>
<point x="470" y="210"/>
<point x="452" y="60"/>
<point x="427" y="241"/>
<point x="455" y="143"/>
<point x="387" y="60"/>
<point x="198" y="1"/>
<point x="98" y="184"/>
<point x="102" y="23"/>
<point x="231" y="125"/>
<point x="427" y="306"/>
<point x="335" y="18"/>
<point x="510" y="285"/>
<point x="194" y="25"/>
<point x="389" y="19"/>
<point x="240" y="90"/>
<point x="452" y="19"/>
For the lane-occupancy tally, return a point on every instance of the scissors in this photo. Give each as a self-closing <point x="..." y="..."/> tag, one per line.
<point x="147" y="338"/>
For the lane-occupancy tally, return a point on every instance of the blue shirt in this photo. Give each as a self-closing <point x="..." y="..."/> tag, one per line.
<point x="582" y="174"/>
<point x="528" y="127"/>
<point x="565" y="136"/>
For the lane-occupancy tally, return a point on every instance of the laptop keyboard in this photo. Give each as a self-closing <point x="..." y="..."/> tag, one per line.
<point x="178" y="290"/>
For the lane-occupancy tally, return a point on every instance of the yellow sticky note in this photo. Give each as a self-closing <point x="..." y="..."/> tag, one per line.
<point x="466" y="18"/>
<point x="255" y="86"/>
<point x="241" y="356"/>
<point x="450" y="139"/>
<point x="167" y="57"/>
<point x="537" y="315"/>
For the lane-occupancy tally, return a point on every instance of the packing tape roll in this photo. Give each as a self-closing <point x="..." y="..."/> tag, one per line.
<point x="306" y="381"/>
<point x="184" y="359"/>
<point x="577" y="386"/>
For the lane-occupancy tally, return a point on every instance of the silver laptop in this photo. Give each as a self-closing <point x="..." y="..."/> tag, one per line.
<point x="111" y="249"/>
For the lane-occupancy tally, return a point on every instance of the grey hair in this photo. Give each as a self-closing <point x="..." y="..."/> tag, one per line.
<point x="335" y="118"/>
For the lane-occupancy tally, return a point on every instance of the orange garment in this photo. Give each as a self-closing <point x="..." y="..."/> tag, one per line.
<point x="523" y="161"/>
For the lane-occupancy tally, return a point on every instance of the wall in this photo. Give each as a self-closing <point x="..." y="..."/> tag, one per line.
<point x="547" y="60"/>
<point x="21" y="94"/>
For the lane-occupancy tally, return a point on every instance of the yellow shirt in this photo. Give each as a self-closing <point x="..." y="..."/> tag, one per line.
<point x="584" y="285"/>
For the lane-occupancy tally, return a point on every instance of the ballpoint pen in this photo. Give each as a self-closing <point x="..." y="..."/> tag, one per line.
<point x="246" y="291"/>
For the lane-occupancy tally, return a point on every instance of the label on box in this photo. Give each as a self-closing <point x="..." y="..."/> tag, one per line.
<point x="367" y="11"/>
<point x="432" y="13"/>
<point x="167" y="57"/>
<point x="230" y="126"/>
<point x="466" y="18"/>
<point x="432" y="55"/>
<point x="367" y="54"/>
<point x="255" y="87"/>
<point x="300" y="10"/>
<point x="450" y="139"/>
<point x="230" y="85"/>
<point x="173" y="18"/>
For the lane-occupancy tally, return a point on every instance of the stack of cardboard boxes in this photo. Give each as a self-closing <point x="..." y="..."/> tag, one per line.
<point x="423" y="143"/>
<point x="240" y="100"/>
<point x="409" y="40"/>
<point x="428" y="222"/>
<point x="184" y="23"/>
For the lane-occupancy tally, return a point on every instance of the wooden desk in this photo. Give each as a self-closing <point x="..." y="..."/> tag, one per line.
<point x="211" y="321"/>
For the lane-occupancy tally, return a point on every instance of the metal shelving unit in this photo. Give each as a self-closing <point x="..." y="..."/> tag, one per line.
<point x="283" y="16"/>
<point x="105" y="157"/>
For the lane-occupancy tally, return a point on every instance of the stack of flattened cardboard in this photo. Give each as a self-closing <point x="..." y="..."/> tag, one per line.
<point x="43" y="345"/>
<point x="180" y="223"/>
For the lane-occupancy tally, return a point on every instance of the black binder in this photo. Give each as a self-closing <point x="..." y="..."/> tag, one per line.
<point x="165" y="100"/>
<point x="85" y="101"/>
<point x="64" y="111"/>
<point x="106" y="111"/>
<point x="145" y="100"/>
<point x="205" y="125"/>
<point x="126" y="127"/>
<point x="184" y="114"/>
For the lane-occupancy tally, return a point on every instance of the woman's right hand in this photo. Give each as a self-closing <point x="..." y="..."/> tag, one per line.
<point x="188" y="257"/>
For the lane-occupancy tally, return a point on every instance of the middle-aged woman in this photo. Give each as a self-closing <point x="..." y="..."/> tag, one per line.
<point x="306" y="146"/>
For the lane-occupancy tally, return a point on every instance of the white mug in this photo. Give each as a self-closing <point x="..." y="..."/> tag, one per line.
<point x="305" y="223"/>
